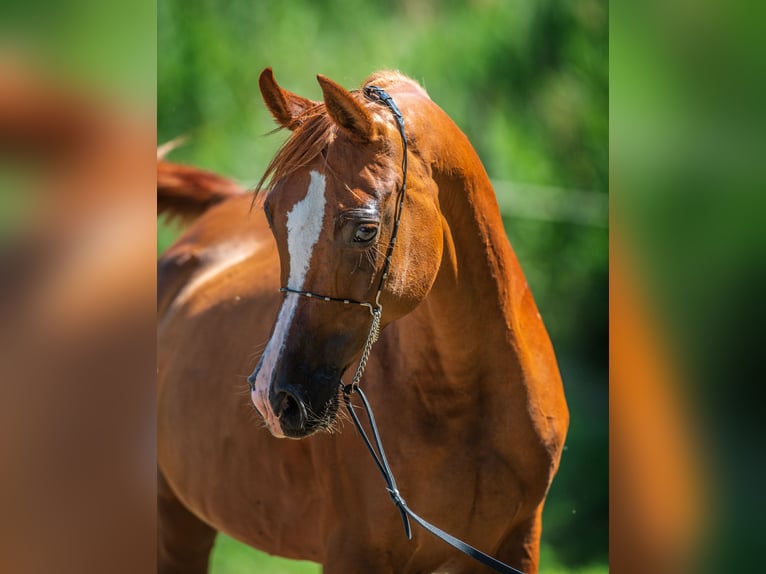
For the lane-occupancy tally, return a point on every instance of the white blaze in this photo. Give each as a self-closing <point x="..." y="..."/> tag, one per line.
<point x="304" y="225"/>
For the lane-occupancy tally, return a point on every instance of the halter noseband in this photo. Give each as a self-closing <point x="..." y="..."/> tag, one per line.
<point x="375" y="307"/>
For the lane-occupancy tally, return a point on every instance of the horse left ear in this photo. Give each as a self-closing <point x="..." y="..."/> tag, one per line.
<point x="346" y="111"/>
<point x="285" y="106"/>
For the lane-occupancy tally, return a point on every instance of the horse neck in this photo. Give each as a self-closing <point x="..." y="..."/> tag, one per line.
<point x="480" y="298"/>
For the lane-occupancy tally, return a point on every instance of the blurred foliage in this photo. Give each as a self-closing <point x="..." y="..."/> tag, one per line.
<point x="525" y="80"/>
<point x="107" y="47"/>
<point x="689" y="133"/>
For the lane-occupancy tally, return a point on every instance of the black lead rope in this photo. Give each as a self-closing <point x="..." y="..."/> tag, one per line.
<point x="379" y="456"/>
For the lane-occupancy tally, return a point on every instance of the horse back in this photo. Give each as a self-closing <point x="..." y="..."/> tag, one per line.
<point x="211" y="249"/>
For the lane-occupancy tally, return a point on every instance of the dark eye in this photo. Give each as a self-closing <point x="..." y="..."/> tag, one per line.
<point x="365" y="233"/>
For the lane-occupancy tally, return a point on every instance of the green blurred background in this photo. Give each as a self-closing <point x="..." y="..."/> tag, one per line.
<point x="688" y="134"/>
<point x="527" y="81"/>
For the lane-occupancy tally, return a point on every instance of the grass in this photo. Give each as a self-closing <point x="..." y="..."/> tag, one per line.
<point x="232" y="557"/>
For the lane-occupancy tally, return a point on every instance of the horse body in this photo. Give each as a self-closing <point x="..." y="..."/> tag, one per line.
<point x="464" y="385"/>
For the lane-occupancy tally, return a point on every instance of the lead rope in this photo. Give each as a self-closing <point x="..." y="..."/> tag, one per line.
<point x="379" y="456"/>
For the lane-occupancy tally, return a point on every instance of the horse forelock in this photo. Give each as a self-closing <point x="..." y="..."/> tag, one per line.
<point x="315" y="131"/>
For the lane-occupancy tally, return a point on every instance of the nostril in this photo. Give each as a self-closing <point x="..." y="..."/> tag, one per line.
<point x="288" y="402"/>
<point x="291" y="411"/>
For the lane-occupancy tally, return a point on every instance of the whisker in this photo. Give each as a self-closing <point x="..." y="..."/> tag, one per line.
<point x="354" y="193"/>
<point x="378" y="249"/>
<point x="258" y="350"/>
<point x="358" y="265"/>
<point x="243" y="391"/>
<point x="252" y="415"/>
<point x="243" y="387"/>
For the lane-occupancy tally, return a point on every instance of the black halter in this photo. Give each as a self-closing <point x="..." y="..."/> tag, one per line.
<point x="376" y="309"/>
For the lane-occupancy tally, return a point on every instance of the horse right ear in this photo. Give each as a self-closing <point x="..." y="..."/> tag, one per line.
<point x="285" y="106"/>
<point x="345" y="111"/>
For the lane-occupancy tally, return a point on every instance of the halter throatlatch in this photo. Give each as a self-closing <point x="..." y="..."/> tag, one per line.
<point x="376" y="310"/>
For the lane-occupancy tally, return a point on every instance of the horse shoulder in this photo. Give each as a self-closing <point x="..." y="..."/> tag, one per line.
<point x="547" y="403"/>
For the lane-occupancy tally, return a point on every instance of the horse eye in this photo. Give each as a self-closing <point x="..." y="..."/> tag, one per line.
<point x="365" y="233"/>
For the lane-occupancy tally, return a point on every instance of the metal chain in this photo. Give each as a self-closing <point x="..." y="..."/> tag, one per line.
<point x="372" y="337"/>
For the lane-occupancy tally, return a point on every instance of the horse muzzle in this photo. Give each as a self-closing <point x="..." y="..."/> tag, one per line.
<point x="305" y="402"/>
<point x="296" y="403"/>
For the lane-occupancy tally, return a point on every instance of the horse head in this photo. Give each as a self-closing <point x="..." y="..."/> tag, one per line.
<point x="334" y="193"/>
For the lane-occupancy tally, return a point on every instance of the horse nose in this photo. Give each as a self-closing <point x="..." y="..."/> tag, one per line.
<point x="290" y="410"/>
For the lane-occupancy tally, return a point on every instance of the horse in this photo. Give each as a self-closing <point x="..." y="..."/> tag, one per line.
<point x="463" y="378"/>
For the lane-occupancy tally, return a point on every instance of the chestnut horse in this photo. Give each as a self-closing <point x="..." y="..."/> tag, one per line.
<point x="463" y="379"/>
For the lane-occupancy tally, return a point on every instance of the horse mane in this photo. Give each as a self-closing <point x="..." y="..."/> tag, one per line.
<point x="316" y="131"/>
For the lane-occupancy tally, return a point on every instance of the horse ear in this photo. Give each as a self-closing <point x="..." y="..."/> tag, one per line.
<point x="346" y="111"/>
<point x="285" y="106"/>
